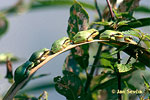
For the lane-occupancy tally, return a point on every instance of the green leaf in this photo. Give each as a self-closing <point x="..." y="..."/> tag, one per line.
<point x="146" y="82"/>
<point x="4" y="56"/>
<point x="100" y="78"/>
<point x="49" y="3"/>
<point x="135" y="51"/>
<point x="70" y="86"/>
<point x="124" y="67"/>
<point x="139" y="65"/>
<point x="105" y="23"/>
<point x="122" y="23"/>
<point x="107" y="60"/>
<point x="119" y="49"/>
<point x="3" y="25"/>
<point x="78" y="21"/>
<point x="133" y="33"/>
<point x="123" y="15"/>
<point x="143" y="9"/>
<point x="70" y="64"/>
<point x="135" y="24"/>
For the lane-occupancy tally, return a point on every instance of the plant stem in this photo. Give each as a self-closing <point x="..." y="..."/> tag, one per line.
<point x="90" y="75"/>
<point x="119" y="76"/>
<point x="110" y="9"/>
<point x="98" y="10"/>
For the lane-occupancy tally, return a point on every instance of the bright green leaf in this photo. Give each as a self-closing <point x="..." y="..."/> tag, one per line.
<point x="146" y="82"/>
<point x="105" y="23"/>
<point x="124" y="67"/>
<point x="4" y="56"/>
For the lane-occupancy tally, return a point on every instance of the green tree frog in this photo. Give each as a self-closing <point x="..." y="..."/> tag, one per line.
<point x="129" y="39"/>
<point x="112" y="35"/>
<point x="60" y="44"/>
<point x="23" y="71"/>
<point x="39" y="56"/>
<point x="85" y="36"/>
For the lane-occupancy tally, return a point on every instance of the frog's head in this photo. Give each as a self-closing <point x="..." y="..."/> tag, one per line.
<point x="85" y="36"/>
<point x="60" y="44"/>
<point x="130" y="39"/>
<point x="93" y="34"/>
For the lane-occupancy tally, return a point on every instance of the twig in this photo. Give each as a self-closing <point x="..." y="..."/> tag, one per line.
<point x="98" y="10"/>
<point x="119" y="76"/>
<point x="111" y="11"/>
<point x="16" y="87"/>
<point x="90" y="76"/>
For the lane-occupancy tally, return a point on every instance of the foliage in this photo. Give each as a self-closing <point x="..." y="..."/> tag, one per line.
<point x="111" y="71"/>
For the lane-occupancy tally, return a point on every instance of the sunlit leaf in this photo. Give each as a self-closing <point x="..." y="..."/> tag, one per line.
<point x="70" y="86"/>
<point x="146" y="82"/>
<point x="4" y="56"/>
<point x="105" y="23"/>
<point x="124" y="67"/>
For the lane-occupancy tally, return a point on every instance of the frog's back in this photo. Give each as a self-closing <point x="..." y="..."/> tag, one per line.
<point x="36" y="55"/>
<point x="20" y="72"/>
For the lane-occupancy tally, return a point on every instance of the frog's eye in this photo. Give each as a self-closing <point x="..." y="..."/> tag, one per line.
<point x="94" y="32"/>
<point x="118" y="33"/>
<point x="130" y="37"/>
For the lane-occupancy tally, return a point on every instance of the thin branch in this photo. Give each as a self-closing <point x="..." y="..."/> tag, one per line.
<point x="119" y="76"/>
<point x="111" y="11"/>
<point x="90" y="76"/>
<point x="98" y="10"/>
